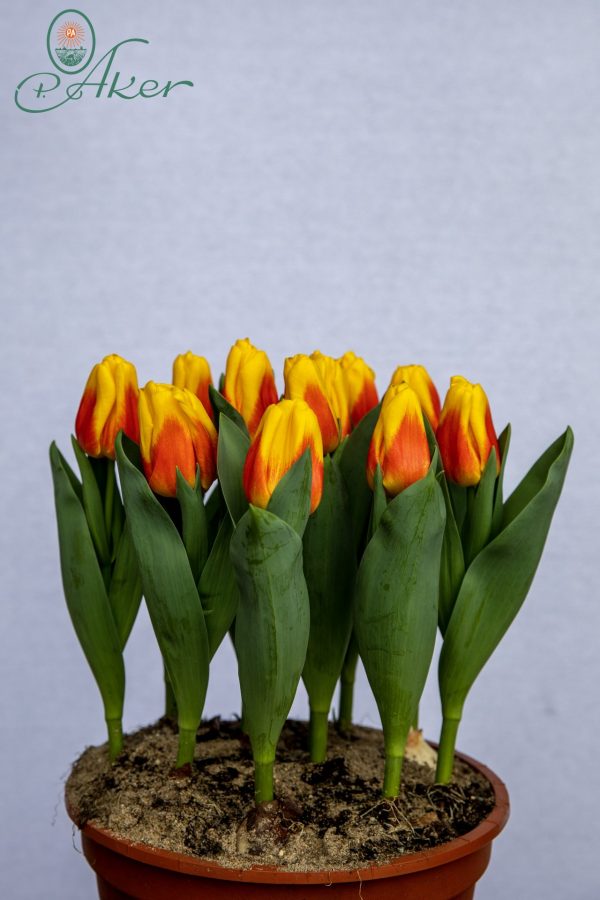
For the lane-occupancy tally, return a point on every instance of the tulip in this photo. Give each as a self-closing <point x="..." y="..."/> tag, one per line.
<point x="109" y="404"/>
<point x="399" y="444"/>
<point x="360" y="386"/>
<point x="417" y="378"/>
<point x="286" y="430"/>
<point x="249" y="382"/>
<point x="466" y="432"/>
<point x="176" y="432"/>
<point x="193" y="372"/>
<point x="318" y="380"/>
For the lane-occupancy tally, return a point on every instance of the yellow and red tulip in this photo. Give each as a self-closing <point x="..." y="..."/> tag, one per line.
<point x="286" y="430"/>
<point x="360" y="386"/>
<point x="249" y="382"/>
<point x="399" y="444"/>
<point x="109" y="404"/>
<point x="318" y="380"/>
<point x="466" y="432"/>
<point x="176" y="432"/>
<point x="417" y="378"/>
<point x="193" y="373"/>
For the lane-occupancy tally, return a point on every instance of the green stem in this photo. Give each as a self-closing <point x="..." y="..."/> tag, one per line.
<point x="109" y="496"/>
<point x="445" y="763"/>
<point x="187" y="747"/>
<point x="344" y="722"/>
<point x="317" y="736"/>
<point x="391" y="776"/>
<point x="263" y="781"/>
<point x="170" y="702"/>
<point x="115" y="737"/>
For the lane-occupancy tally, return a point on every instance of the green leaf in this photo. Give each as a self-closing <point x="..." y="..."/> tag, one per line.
<point x="396" y="604"/>
<point x="330" y="571"/>
<point x="85" y="593"/>
<point x="218" y="588"/>
<point x="478" y="523"/>
<point x="452" y="565"/>
<point x="504" y="444"/>
<point x="290" y="500"/>
<point x="92" y="504"/>
<point x="497" y="581"/>
<point x="232" y="450"/>
<point x="215" y="510"/>
<point x="272" y="624"/>
<point x="223" y="408"/>
<point x="380" y="500"/>
<point x="125" y="592"/>
<point x="170" y="591"/>
<point x="193" y="522"/>
<point x="353" y="465"/>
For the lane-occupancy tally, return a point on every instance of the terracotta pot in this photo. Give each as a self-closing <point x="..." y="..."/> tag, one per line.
<point x="449" y="872"/>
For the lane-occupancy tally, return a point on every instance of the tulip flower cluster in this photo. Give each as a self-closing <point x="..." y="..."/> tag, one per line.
<point x="339" y="527"/>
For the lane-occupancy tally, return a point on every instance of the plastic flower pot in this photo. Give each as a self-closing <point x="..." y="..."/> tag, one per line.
<point x="126" y="870"/>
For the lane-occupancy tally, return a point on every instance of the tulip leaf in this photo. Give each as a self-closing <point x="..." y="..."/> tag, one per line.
<point x="452" y="565"/>
<point x="497" y="581"/>
<point x="215" y="510"/>
<point x="396" y="602"/>
<point x="125" y="592"/>
<point x="272" y="624"/>
<point x="379" y="499"/>
<point x="353" y="466"/>
<point x="85" y="593"/>
<point x="92" y="504"/>
<point x="218" y="588"/>
<point x="170" y="591"/>
<point x="504" y="444"/>
<point x="222" y="407"/>
<point x="329" y="571"/>
<point x="291" y="498"/>
<point x="232" y="450"/>
<point x="193" y="522"/>
<point x="478" y="523"/>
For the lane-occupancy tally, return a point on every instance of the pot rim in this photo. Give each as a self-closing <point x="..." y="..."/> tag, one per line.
<point x="452" y="850"/>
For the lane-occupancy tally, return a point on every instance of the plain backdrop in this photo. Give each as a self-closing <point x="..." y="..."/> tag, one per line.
<point x="417" y="182"/>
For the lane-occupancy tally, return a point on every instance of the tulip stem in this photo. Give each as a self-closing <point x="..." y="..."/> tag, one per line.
<point x="186" y="748"/>
<point x="115" y="738"/>
<point x="263" y="781"/>
<point x="318" y="735"/>
<point x="109" y="495"/>
<point x="344" y="723"/>
<point x="445" y="761"/>
<point x="391" y="775"/>
<point x="170" y="701"/>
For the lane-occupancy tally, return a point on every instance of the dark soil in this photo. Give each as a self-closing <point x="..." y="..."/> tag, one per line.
<point x="328" y="816"/>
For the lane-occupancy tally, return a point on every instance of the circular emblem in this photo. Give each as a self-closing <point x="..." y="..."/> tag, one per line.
<point x="71" y="41"/>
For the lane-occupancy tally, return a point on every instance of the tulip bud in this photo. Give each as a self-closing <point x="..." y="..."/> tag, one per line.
<point x="193" y="373"/>
<point x="399" y="444"/>
<point x="466" y="433"/>
<point x="109" y="404"/>
<point x="249" y="382"/>
<point x="319" y="381"/>
<point x="286" y="430"/>
<point x="360" y="386"/>
<point x="417" y="378"/>
<point x="176" y="432"/>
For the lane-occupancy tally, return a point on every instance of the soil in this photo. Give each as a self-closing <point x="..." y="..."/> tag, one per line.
<point x="326" y="816"/>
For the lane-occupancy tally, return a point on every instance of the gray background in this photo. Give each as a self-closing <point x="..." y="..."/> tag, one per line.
<point x="416" y="181"/>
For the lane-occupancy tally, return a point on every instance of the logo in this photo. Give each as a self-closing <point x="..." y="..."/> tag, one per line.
<point x="71" y="45"/>
<point x="71" y="41"/>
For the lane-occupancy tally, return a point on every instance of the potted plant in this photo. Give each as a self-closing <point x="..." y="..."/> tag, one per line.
<point x="314" y="529"/>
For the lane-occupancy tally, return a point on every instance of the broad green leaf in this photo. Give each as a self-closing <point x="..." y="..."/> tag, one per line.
<point x="232" y="450"/>
<point x="218" y="588"/>
<point x="215" y="510"/>
<point x="290" y="500"/>
<point x="504" y="444"/>
<point x="396" y="604"/>
<point x="193" y="522"/>
<point x="353" y="465"/>
<point x="272" y="624"/>
<point x="452" y="565"/>
<point x="92" y="504"/>
<point x="379" y="500"/>
<point x="85" y="593"/>
<point x="125" y="592"/>
<point x="170" y="591"/>
<point x="478" y="524"/>
<point x="222" y="407"/>
<point x="329" y="571"/>
<point x="497" y="581"/>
